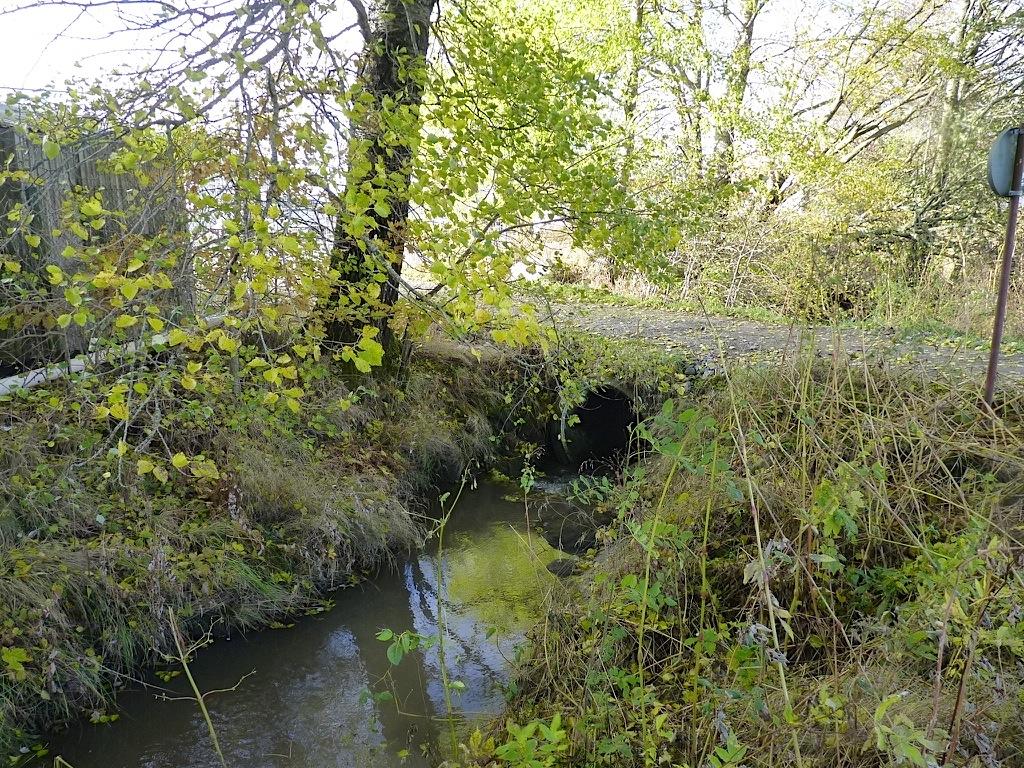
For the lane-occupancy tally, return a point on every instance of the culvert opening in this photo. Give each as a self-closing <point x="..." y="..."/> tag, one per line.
<point x="600" y="432"/>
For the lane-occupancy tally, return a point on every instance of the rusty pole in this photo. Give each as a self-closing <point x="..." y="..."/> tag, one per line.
<point x="1004" y="282"/>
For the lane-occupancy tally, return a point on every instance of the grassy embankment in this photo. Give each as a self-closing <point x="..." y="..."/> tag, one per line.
<point x="813" y="564"/>
<point x="272" y="508"/>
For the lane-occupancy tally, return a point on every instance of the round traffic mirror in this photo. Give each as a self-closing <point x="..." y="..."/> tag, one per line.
<point x="1000" y="162"/>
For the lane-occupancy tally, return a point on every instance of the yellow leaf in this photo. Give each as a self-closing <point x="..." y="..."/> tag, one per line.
<point x="290" y="245"/>
<point x="179" y="461"/>
<point x="102" y="279"/>
<point x="119" y="411"/>
<point x="160" y="474"/>
<point x="176" y="337"/>
<point x="125" y="321"/>
<point x="129" y="289"/>
<point x="227" y="343"/>
<point x="155" y="323"/>
<point x="32" y="240"/>
<point x="144" y="466"/>
<point x="91" y="208"/>
<point x="188" y="383"/>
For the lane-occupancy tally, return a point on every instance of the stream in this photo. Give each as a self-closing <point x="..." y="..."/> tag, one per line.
<point x="301" y="696"/>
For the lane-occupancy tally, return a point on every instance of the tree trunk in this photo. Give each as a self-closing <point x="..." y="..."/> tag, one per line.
<point x="629" y="106"/>
<point x="632" y="94"/>
<point x="737" y="78"/>
<point x="949" y="118"/>
<point x="369" y="244"/>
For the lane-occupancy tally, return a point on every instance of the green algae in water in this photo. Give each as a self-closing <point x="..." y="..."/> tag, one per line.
<point x="310" y="700"/>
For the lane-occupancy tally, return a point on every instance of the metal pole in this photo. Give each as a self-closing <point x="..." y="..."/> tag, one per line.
<point x="1004" y="282"/>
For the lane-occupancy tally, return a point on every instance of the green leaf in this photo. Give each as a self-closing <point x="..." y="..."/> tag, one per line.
<point x="395" y="653"/>
<point x="290" y="245"/>
<point x="91" y="208"/>
<point x="15" y="659"/>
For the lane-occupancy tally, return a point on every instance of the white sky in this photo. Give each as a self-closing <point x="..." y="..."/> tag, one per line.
<point x="36" y="51"/>
<point x="45" y="46"/>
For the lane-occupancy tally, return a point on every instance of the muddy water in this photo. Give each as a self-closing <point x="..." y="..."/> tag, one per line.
<point x="301" y="695"/>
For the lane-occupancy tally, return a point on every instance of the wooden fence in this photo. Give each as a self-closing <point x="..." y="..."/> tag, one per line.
<point x="54" y="180"/>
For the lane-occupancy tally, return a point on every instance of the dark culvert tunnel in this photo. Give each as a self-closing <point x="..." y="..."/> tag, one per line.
<point x="601" y="432"/>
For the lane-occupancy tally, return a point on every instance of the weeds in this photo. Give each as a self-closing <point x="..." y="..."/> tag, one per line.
<point x="95" y="554"/>
<point x="818" y="566"/>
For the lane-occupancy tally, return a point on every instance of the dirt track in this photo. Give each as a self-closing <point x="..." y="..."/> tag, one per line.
<point x="710" y="337"/>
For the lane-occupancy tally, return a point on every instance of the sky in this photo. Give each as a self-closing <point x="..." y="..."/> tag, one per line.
<point x="43" y="46"/>
<point x="40" y="47"/>
<point x="37" y="48"/>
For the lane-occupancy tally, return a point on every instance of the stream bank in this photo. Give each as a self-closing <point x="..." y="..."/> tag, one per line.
<point x="817" y="565"/>
<point x="275" y="505"/>
<point x="322" y="692"/>
<point x="273" y="508"/>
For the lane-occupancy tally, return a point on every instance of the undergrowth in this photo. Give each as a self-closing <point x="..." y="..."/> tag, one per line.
<point x="253" y="512"/>
<point x="813" y="564"/>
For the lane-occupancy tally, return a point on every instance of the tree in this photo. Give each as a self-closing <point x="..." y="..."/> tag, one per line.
<point x="371" y="234"/>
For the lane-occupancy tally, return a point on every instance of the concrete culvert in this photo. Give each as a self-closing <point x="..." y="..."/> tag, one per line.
<point x="605" y="420"/>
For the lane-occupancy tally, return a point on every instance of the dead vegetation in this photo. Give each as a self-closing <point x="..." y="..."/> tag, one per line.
<point x="818" y="564"/>
<point x="96" y="552"/>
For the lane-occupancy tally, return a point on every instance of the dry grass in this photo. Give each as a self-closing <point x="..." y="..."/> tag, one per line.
<point x="94" y="557"/>
<point x="821" y="570"/>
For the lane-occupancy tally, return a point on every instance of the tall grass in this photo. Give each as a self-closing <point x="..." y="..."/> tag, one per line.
<point x="94" y="558"/>
<point x="822" y="571"/>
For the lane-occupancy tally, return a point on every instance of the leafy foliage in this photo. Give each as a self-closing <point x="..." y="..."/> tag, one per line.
<point x="814" y="568"/>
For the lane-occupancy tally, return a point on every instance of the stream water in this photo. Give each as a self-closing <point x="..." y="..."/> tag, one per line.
<point x="302" y="696"/>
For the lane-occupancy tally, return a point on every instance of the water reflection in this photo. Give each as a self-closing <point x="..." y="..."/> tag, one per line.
<point x="307" y="703"/>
